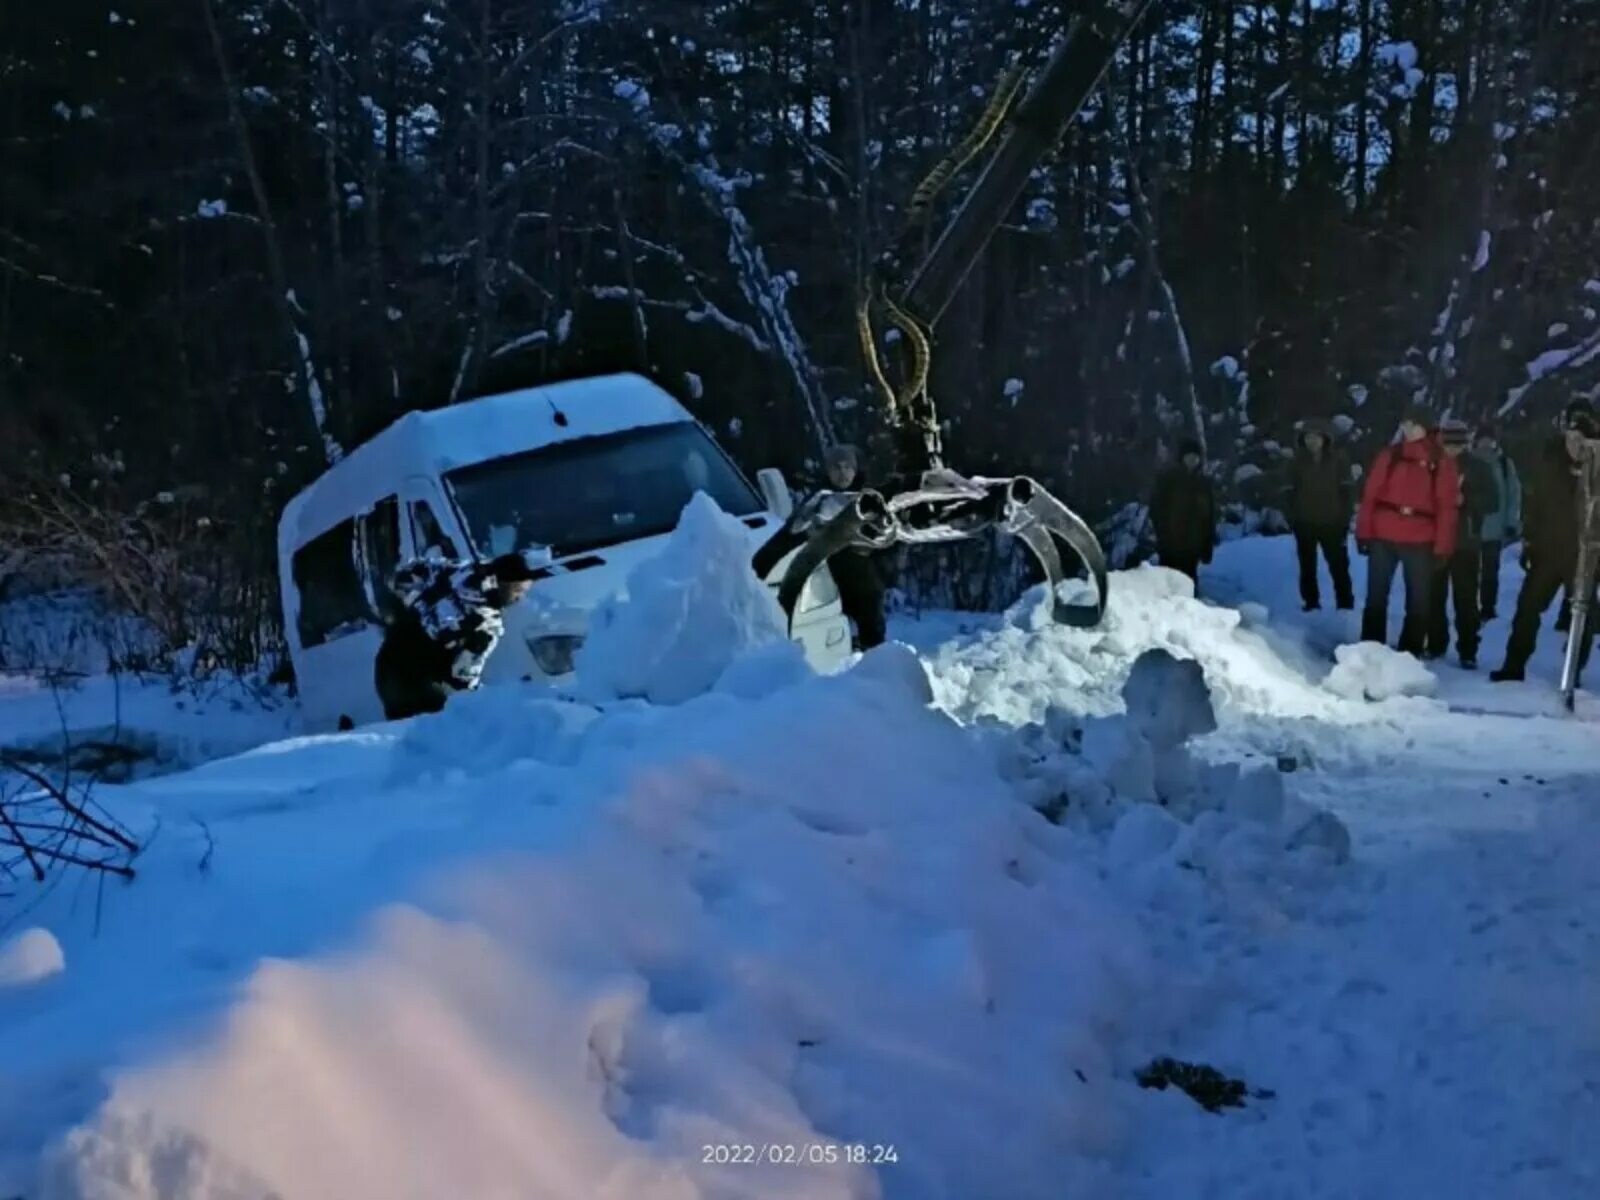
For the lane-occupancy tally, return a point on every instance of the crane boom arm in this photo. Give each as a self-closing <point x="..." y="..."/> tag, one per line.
<point x="1041" y="117"/>
<point x="938" y="505"/>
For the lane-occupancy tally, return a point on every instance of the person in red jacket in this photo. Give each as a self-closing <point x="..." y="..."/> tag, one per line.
<point x="1407" y="522"/>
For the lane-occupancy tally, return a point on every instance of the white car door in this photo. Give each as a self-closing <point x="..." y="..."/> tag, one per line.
<point x="337" y="622"/>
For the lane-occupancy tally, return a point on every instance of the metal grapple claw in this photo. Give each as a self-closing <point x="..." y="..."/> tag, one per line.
<point x="943" y="507"/>
<point x="1040" y="520"/>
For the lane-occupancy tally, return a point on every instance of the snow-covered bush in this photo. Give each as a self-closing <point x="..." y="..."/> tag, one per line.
<point x="165" y="587"/>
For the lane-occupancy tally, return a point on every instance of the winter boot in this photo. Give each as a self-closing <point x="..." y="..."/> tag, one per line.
<point x="1311" y="606"/>
<point x="1469" y="661"/>
<point x="1510" y="673"/>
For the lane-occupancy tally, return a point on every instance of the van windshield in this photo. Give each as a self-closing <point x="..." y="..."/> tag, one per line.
<point x="597" y="491"/>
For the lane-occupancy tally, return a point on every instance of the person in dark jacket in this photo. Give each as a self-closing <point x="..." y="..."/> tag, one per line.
<point x="1321" y="500"/>
<point x="1501" y="526"/>
<point x="1407" y="523"/>
<point x="1550" y="544"/>
<point x="444" y="619"/>
<point x="1461" y="572"/>
<point x="1578" y="410"/>
<point x="1183" y="510"/>
<point x="857" y="573"/>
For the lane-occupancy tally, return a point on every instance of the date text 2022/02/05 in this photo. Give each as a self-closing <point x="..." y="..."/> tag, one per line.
<point x="798" y="1154"/>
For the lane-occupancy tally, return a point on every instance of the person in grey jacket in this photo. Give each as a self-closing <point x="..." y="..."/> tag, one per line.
<point x="1503" y="524"/>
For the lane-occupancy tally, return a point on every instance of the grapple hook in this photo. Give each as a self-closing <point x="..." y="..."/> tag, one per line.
<point x="945" y="507"/>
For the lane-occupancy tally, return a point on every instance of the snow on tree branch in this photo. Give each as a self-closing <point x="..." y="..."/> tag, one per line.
<point x="1551" y="362"/>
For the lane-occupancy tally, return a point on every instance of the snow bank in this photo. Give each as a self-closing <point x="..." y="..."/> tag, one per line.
<point x="814" y="919"/>
<point x="30" y="956"/>
<point x="538" y="948"/>
<point x="1371" y="671"/>
<point x="1016" y="669"/>
<point x="685" y="616"/>
<point x="1137" y="779"/>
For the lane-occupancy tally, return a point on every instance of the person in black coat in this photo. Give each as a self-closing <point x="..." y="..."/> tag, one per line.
<point x="442" y="621"/>
<point x="1183" y="510"/>
<point x="1550" y="543"/>
<point x="1321" y="502"/>
<point x="1460" y="573"/>
<point x="857" y="573"/>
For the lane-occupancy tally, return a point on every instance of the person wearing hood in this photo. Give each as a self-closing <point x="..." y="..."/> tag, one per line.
<point x="857" y="573"/>
<point x="1407" y="523"/>
<point x="1460" y="573"/>
<point x="1503" y="524"/>
<point x="443" y="618"/>
<point x="1321" y="499"/>
<point x="1183" y="509"/>
<point x="1550" y="547"/>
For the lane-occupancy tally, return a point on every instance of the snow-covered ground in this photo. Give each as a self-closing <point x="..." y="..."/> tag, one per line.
<point x="542" y="947"/>
<point x="57" y="692"/>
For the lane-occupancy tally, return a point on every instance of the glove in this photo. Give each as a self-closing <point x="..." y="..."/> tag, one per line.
<point x="1363" y="547"/>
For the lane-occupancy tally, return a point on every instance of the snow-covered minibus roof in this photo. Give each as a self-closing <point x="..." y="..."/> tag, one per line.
<point x="443" y="439"/>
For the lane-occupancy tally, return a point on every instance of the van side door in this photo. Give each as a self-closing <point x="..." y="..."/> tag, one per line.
<point x="342" y="576"/>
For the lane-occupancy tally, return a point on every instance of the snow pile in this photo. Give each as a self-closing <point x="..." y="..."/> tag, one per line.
<point x="813" y="920"/>
<point x="685" y="616"/>
<point x="1137" y="778"/>
<point x="1372" y="671"/>
<point x="538" y="948"/>
<point x="1026" y="664"/>
<point x="30" y="956"/>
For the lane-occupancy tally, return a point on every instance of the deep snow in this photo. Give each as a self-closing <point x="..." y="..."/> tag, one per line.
<point x="537" y="947"/>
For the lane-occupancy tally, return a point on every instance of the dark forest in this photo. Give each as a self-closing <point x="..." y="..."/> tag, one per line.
<point x="236" y="238"/>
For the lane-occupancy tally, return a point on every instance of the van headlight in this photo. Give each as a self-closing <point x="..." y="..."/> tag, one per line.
<point x="555" y="654"/>
<point x="820" y="590"/>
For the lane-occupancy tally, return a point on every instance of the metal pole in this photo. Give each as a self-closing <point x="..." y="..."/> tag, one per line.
<point x="1583" y="577"/>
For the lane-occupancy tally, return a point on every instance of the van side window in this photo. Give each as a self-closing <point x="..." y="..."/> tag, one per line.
<point x="428" y="533"/>
<point x="332" y="599"/>
<point x="380" y="534"/>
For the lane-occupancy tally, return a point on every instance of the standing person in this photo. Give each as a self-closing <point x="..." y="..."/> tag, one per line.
<point x="856" y="572"/>
<point x="1501" y="526"/>
<point x="1550" y="547"/>
<point x="1579" y="410"/>
<point x="1462" y="571"/>
<point x="1321" y="500"/>
<point x="1183" y="510"/>
<point x="446" y="619"/>
<point x="1407" y="522"/>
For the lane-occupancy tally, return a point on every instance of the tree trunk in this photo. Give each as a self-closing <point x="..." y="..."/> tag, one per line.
<point x="284" y="301"/>
<point x="1364" y="58"/>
